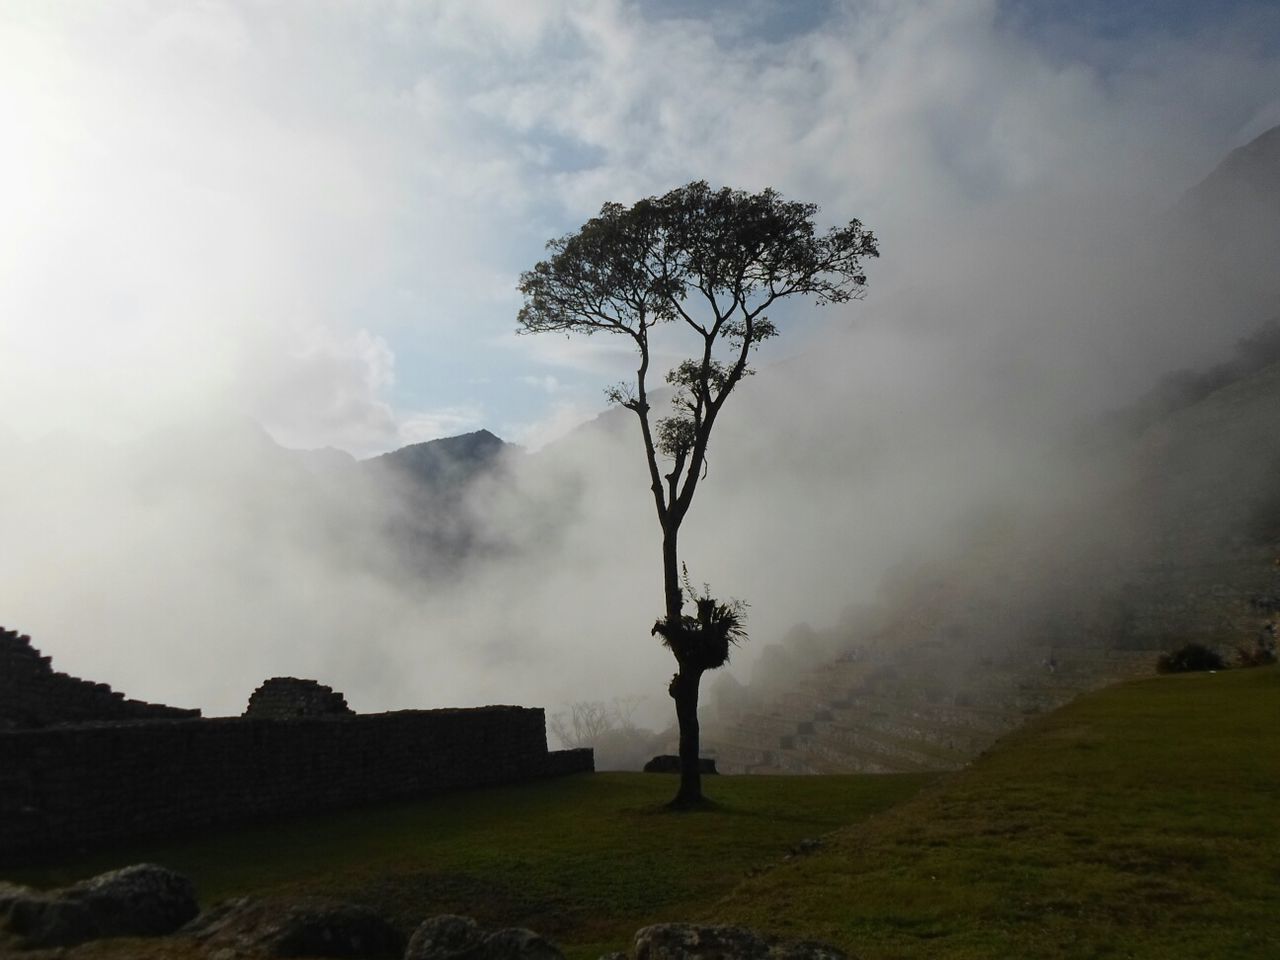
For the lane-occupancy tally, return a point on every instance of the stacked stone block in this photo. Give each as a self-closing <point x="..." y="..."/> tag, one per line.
<point x="32" y="694"/>
<point x="287" y="698"/>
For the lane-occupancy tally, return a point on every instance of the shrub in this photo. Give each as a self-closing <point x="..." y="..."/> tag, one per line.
<point x="1262" y="652"/>
<point x="1189" y="659"/>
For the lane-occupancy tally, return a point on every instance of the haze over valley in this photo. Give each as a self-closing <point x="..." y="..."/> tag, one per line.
<point x="261" y="267"/>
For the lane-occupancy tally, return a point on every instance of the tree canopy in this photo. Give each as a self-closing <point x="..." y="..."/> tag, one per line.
<point x="714" y="259"/>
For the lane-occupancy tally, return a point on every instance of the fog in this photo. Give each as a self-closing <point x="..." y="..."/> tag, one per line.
<point x="191" y="283"/>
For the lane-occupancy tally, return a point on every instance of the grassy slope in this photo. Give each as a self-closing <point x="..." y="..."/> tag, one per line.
<point x="1143" y="821"/>
<point x="1138" y="822"/>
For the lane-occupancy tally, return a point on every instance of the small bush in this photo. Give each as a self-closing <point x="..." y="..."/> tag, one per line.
<point x="1262" y="653"/>
<point x="1189" y="659"/>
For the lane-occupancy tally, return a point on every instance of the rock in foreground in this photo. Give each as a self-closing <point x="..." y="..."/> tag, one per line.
<point x="687" y="941"/>
<point x="143" y="900"/>
<point x="305" y="927"/>
<point x="458" y="938"/>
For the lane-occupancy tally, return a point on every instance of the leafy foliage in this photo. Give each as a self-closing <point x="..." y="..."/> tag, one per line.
<point x="1190" y="658"/>
<point x="715" y="259"/>
<point x="704" y="639"/>
<point x="631" y="267"/>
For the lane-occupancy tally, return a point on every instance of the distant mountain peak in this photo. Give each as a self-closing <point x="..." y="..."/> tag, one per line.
<point x="448" y="460"/>
<point x="476" y="438"/>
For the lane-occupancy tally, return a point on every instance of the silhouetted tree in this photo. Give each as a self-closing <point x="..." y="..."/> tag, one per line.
<point x="714" y="261"/>
<point x="609" y="729"/>
<point x="586" y="721"/>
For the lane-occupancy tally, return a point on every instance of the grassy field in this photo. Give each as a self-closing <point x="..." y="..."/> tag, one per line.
<point x="584" y="860"/>
<point x="1143" y="821"/>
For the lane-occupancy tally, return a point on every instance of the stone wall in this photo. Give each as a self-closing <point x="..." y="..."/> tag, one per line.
<point x="33" y="695"/>
<point x="75" y="786"/>
<point x="81" y="765"/>
<point x="908" y="710"/>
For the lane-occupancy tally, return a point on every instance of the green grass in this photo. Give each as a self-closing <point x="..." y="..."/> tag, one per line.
<point x="1143" y="821"/>
<point x="584" y="860"/>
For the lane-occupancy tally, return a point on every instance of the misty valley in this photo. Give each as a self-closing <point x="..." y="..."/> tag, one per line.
<point x="440" y="520"/>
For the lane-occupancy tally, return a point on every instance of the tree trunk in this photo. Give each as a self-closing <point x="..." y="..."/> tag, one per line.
<point x="684" y="685"/>
<point x="684" y="690"/>
<point x="671" y="575"/>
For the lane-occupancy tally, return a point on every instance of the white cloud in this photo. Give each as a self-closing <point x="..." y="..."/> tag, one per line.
<point x="327" y="390"/>
<point x="185" y="187"/>
<point x="446" y="422"/>
<point x="179" y="227"/>
<point x="547" y="383"/>
<point x="565" y="416"/>
<point x="605" y="356"/>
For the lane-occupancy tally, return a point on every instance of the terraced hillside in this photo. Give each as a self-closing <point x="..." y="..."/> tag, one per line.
<point x="907" y="713"/>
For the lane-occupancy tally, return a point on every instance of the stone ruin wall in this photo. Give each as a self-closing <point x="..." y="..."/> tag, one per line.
<point x="288" y="698"/>
<point x="75" y="785"/>
<point x="33" y="695"/>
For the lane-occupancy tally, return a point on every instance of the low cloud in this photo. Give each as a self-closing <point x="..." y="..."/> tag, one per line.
<point x="433" y="424"/>
<point x="564" y="418"/>
<point x="317" y="219"/>
<point x="327" y="391"/>
<point x="547" y="383"/>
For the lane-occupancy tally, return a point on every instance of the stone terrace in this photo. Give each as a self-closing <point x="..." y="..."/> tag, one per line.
<point x="906" y="714"/>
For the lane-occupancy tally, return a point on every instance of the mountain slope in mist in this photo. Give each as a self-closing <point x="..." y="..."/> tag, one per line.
<point x="1175" y="542"/>
<point x="1224" y="235"/>
<point x="445" y="464"/>
<point x="1245" y="187"/>
<point x="191" y="563"/>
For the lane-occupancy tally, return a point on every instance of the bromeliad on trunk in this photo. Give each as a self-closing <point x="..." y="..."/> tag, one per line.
<point x="699" y="643"/>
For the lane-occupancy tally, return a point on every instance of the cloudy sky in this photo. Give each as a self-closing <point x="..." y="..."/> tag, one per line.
<point x="315" y="213"/>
